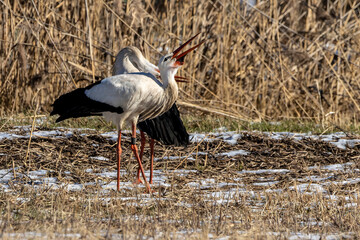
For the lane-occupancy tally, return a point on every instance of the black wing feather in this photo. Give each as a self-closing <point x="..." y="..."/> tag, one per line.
<point x="76" y="104"/>
<point x="167" y="128"/>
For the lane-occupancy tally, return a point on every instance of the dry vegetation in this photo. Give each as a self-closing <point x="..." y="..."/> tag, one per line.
<point x="280" y="60"/>
<point x="211" y="200"/>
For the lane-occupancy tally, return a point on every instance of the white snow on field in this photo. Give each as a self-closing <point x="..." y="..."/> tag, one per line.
<point x="233" y="153"/>
<point x="5" y="135"/>
<point x="100" y="158"/>
<point x="228" y="137"/>
<point x="335" y="167"/>
<point x="338" y="139"/>
<point x="114" y="135"/>
<point x="349" y="181"/>
<point x="175" y="158"/>
<point x="265" y="181"/>
<point x="215" y="190"/>
<point x="262" y="171"/>
<point x="52" y="133"/>
<point x="311" y="236"/>
<point x="38" y="172"/>
<point x="310" y="188"/>
<point x="265" y="184"/>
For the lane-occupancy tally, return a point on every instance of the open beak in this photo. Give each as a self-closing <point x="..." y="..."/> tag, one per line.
<point x="180" y="79"/>
<point x="181" y="56"/>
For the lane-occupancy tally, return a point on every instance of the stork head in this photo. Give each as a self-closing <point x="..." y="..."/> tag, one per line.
<point x="173" y="61"/>
<point x="141" y="63"/>
<point x="130" y="59"/>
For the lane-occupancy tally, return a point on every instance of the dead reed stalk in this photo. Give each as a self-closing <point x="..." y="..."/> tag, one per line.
<point x="276" y="60"/>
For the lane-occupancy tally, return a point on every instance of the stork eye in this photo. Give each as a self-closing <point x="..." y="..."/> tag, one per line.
<point x="166" y="58"/>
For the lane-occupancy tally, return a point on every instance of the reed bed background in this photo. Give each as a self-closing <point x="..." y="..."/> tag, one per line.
<point x="277" y="60"/>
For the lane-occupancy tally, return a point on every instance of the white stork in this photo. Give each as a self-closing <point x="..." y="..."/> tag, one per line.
<point x="126" y="98"/>
<point x="167" y="128"/>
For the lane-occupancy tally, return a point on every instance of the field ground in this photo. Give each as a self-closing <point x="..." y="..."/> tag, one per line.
<point x="228" y="185"/>
<point x="280" y="60"/>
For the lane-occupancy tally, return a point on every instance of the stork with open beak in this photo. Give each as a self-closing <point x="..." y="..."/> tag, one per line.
<point x="127" y="99"/>
<point x="167" y="128"/>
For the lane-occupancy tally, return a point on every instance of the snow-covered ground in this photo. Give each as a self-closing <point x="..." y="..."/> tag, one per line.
<point x="215" y="191"/>
<point x="39" y="177"/>
<point x="339" y="139"/>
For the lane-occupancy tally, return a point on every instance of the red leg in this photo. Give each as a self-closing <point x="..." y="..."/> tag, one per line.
<point x="118" y="148"/>
<point x="143" y="139"/>
<point x="152" y="142"/>
<point x="138" y="180"/>
<point x="135" y="150"/>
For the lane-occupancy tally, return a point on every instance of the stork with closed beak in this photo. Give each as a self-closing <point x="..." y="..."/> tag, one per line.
<point x="126" y="98"/>
<point x="167" y="128"/>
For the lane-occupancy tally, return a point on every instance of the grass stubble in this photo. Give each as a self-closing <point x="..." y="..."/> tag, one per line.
<point x="195" y="205"/>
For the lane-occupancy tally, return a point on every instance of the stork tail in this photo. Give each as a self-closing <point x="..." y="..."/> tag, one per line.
<point x="76" y="104"/>
<point x="167" y="128"/>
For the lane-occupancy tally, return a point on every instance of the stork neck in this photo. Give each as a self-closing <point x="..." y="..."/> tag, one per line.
<point x="169" y="84"/>
<point x="168" y="78"/>
<point x="130" y="66"/>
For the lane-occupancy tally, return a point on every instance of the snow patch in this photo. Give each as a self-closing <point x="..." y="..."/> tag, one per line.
<point x="234" y="153"/>
<point x="100" y="158"/>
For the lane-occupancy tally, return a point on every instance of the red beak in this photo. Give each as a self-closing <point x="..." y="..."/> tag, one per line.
<point x="180" y="57"/>
<point x="180" y="79"/>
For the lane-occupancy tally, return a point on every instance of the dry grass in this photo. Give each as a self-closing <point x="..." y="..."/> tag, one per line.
<point x="281" y="60"/>
<point x="211" y="200"/>
<point x="86" y="214"/>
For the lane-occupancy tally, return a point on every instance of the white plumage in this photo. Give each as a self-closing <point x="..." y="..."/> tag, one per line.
<point x="126" y="98"/>
<point x="130" y="60"/>
<point x="167" y="128"/>
<point x="138" y="94"/>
